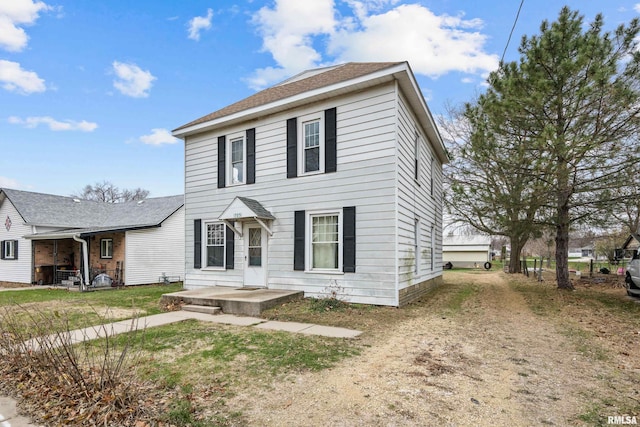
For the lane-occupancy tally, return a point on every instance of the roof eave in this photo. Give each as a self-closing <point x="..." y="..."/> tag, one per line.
<point x="372" y="79"/>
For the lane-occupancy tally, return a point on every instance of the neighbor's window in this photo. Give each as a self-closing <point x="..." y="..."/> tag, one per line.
<point x="325" y="241"/>
<point x="237" y="160"/>
<point x="215" y="244"/>
<point x="9" y="249"/>
<point x="106" y="248"/>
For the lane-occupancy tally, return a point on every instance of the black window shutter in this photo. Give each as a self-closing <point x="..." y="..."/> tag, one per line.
<point x="292" y="148"/>
<point x="230" y="248"/>
<point x="330" y="140"/>
<point x="298" y="240"/>
<point x="251" y="156"/>
<point x="349" y="239"/>
<point x="222" y="143"/>
<point x="197" y="243"/>
<point x="2" y="249"/>
<point x="15" y="249"/>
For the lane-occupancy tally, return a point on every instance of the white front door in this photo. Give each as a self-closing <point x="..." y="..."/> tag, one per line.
<point x="255" y="255"/>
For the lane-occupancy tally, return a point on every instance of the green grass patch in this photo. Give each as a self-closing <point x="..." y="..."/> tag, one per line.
<point x="190" y="351"/>
<point x="459" y="296"/>
<point x="142" y="297"/>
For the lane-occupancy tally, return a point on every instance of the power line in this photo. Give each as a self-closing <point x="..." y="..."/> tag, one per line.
<point x="511" y="33"/>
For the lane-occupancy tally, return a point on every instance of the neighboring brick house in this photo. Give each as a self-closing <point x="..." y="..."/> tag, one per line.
<point x="44" y="238"/>
<point x="329" y="182"/>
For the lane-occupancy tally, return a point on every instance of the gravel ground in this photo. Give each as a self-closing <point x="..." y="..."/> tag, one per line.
<point x="492" y="363"/>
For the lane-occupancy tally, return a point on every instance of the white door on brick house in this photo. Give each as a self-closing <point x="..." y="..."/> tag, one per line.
<point x="255" y="255"/>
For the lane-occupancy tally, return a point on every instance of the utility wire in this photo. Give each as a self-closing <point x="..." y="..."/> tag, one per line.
<point x="511" y="33"/>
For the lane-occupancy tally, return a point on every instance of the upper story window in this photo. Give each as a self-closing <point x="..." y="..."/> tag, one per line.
<point x="312" y="149"/>
<point x="106" y="248"/>
<point x="416" y="155"/>
<point x="237" y="162"/>
<point x="311" y="136"/>
<point x="312" y="143"/>
<point x="237" y="158"/>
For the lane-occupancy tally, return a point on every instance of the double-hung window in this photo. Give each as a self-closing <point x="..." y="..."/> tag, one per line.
<point x="311" y="155"/>
<point x="325" y="246"/>
<point x="9" y="249"/>
<point x="237" y="160"/>
<point x="312" y="146"/>
<point x="215" y="244"/>
<point x="106" y="248"/>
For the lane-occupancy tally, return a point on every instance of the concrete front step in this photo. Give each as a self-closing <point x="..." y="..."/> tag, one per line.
<point x="202" y="309"/>
<point x="244" y="301"/>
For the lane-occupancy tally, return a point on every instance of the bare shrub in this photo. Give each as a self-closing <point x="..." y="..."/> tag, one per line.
<point x="65" y="377"/>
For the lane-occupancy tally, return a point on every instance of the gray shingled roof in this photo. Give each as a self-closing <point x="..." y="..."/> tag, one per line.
<point x="296" y="86"/>
<point x="257" y="208"/>
<point x="66" y="212"/>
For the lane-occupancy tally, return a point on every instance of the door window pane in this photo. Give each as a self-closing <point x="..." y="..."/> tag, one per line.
<point x="255" y="247"/>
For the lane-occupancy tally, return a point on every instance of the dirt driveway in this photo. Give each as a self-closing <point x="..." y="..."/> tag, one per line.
<point x="491" y="362"/>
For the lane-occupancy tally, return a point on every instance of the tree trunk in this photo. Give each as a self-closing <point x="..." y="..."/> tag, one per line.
<point x="516" y="249"/>
<point x="562" y="248"/>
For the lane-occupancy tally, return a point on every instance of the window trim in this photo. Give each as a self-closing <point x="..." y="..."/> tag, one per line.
<point x="416" y="156"/>
<point x="6" y="244"/>
<point x="230" y="139"/>
<point x="309" y="215"/>
<point x="302" y="120"/>
<point x="416" y="246"/>
<point x="106" y="251"/>
<point x="205" y="245"/>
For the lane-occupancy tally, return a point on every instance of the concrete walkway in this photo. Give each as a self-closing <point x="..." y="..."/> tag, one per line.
<point x="110" y="329"/>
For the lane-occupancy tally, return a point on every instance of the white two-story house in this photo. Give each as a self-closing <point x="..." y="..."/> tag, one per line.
<point x="329" y="182"/>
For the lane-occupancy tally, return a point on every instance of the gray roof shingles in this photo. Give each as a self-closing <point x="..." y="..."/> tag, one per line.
<point x="66" y="212"/>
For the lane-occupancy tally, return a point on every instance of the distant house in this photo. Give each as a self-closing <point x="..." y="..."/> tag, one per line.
<point x="44" y="238"/>
<point x="330" y="181"/>
<point x="466" y="251"/>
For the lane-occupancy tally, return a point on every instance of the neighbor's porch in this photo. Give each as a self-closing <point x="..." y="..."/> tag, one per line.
<point x="56" y="261"/>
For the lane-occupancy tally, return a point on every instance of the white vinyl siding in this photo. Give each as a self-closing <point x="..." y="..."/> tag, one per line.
<point x="417" y="199"/>
<point x="366" y="139"/>
<point x="15" y="270"/>
<point x="153" y="251"/>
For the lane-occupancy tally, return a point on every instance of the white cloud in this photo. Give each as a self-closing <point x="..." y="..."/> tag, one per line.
<point x="8" y="182"/>
<point x="159" y="136"/>
<point x="433" y="44"/>
<point x="53" y="124"/>
<point x="198" y="24"/>
<point x="636" y="7"/>
<point x="14" y="79"/>
<point x="301" y="35"/>
<point x="132" y="80"/>
<point x="287" y="33"/>
<point x="13" y="15"/>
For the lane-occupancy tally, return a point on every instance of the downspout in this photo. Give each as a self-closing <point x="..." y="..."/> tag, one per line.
<point x="85" y="262"/>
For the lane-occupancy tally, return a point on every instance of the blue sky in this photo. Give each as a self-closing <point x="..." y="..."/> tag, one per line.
<point x="90" y="89"/>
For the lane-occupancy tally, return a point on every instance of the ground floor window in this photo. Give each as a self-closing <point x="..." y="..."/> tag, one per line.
<point x="325" y="241"/>
<point x="9" y="249"/>
<point x="106" y="248"/>
<point x="215" y="240"/>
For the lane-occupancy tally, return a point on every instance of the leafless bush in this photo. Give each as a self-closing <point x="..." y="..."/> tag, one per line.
<point x="65" y="377"/>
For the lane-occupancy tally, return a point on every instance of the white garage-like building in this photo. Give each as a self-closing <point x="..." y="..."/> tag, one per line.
<point x="466" y="251"/>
